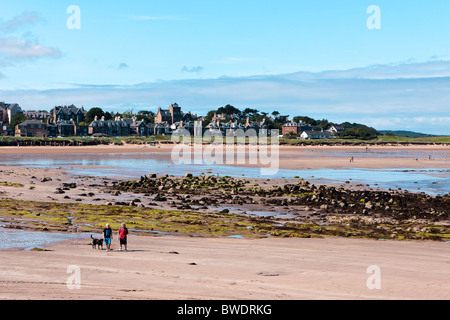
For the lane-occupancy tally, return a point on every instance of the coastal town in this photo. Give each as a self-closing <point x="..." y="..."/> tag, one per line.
<point x="72" y="121"/>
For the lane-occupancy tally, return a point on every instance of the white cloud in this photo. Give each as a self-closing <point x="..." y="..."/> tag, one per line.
<point x="19" y="21"/>
<point x="14" y="49"/>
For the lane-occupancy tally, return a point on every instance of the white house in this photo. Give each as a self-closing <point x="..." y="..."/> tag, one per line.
<point x="316" y="135"/>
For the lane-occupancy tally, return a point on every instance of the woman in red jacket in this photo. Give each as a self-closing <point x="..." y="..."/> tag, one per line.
<point x="123" y="233"/>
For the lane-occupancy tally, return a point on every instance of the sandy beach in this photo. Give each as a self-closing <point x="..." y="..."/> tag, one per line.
<point x="175" y="268"/>
<point x="172" y="268"/>
<point x="290" y="157"/>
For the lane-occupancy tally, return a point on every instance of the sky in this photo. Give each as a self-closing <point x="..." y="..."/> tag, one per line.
<point x="321" y="58"/>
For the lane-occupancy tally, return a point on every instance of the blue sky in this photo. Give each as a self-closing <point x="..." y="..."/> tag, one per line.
<point x="315" y="58"/>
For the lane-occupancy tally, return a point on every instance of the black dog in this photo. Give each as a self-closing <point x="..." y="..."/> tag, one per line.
<point x="97" y="243"/>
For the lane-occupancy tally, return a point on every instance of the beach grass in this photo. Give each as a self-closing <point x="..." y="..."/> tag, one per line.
<point x="76" y="141"/>
<point x="11" y="184"/>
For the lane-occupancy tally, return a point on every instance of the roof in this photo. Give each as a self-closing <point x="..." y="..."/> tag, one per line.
<point x="70" y="109"/>
<point x="109" y="123"/>
<point x="9" y="105"/>
<point x="337" y="126"/>
<point x="27" y="122"/>
<point x="316" y="133"/>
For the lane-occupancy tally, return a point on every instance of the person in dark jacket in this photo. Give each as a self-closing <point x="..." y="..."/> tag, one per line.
<point x="107" y="235"/>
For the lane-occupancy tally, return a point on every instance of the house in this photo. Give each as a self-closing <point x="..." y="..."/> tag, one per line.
<point x="224" y="117"/>
<point x="8" y="111"/>
<point x="335" y="128"/>
<point x="189" y="117"/>
<point x="37" y="115"/>
<point x="111" y="128"/>
<point x="69" y="113"/>
<point x="231" y="127"/>
<point x="307" y="135"/>
<point x="170" y="116"/>
<point x="81" y="131"/>
<point x="296" y="127"/>
<point x="52" y="130"/>
<point x="214" y="129"/>
<point x="180" y="128"/>
<point x="65" y="128"/>
<point x="160" y="129"/>
<point x="163" y="116"/>
<point x="173" y="115"/>
<point x="291" y="127"/>
<point x="32" y="128"/>
<point x="138" y="127"/>
<point x="256" y="125"/>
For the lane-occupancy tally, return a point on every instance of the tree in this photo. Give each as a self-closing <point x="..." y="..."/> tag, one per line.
<point x="108" y="116"/>
<point x="146" y="116"/>
<point x="210" y="116"/>
<point x="306" y="120"/>
<point x="358" y="131"/>
<point x="16" y="120"/>
<point x="128" y="114"/>
<point x="94" y="112"/>
<point x="229" y="109"/>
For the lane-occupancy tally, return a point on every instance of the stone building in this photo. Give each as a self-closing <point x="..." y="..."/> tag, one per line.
<point x="69" y="113"/>
<point x="111" y="128"/>
<point x="32" y="128"/>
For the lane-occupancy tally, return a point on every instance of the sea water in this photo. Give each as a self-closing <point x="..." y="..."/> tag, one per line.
<point x="431" y="180"/>
<point x="20" y="239"/>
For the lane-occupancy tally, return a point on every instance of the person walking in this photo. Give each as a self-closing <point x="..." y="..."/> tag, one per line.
<point x="123" y="233"/>
<point x="107" y="235"/>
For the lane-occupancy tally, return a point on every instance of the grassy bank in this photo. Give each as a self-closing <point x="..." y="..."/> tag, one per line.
<point x="87" y="141"/>
<point x="382" y="140"/>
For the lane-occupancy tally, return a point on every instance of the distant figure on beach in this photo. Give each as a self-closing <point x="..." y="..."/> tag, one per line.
<point x="123" y="233"/>
<point x="107" y="235"/>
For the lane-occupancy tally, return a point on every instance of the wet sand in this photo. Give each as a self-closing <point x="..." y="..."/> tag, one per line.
<point x="164" y="268"/>
<point x="291" y="157"/>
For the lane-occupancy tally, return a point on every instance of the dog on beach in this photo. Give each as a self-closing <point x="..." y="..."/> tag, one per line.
<point x="97" y="243"/>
